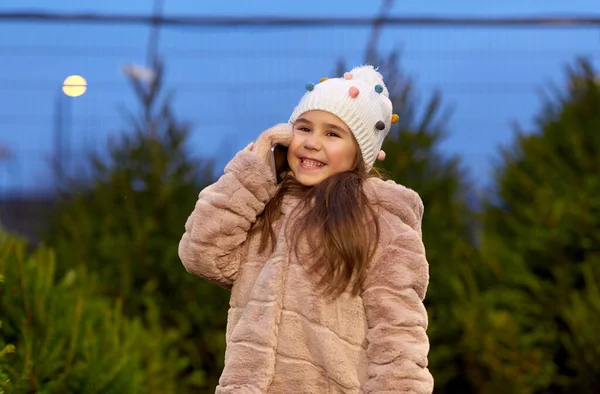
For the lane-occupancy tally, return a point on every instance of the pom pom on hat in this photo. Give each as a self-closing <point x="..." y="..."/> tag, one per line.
<point x="370" y="75"/>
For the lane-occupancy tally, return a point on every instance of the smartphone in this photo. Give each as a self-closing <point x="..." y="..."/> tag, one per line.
<point x="278" y="161"/>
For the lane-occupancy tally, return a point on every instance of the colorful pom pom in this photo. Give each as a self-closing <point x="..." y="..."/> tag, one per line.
<point x="378" y="88"/>
<point x="324" y="79"/>
<point x="353" y="92"/>
<point x="380" y="125"/>
<point x="347" y="75"/>
<point x="395" y="118"/>
<point x="310" y="86"/>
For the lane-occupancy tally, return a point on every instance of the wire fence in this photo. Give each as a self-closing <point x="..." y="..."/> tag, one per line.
<point x="231" y="83"/>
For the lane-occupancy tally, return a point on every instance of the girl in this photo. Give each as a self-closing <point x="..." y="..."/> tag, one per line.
<point x="327" y="269"/>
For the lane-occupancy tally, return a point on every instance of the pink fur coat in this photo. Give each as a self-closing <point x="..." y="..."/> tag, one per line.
<point x="282" y="337"/>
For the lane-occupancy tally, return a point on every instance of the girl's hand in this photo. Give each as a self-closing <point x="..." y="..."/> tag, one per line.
<point x="280" y="134"/>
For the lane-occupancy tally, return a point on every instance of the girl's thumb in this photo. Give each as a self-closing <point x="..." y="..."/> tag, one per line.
<point x="250" y="147"/>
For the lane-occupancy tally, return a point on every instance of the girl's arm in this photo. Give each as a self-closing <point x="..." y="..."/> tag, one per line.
<point x="393" y="294"/>
<point x="212" y="245"/>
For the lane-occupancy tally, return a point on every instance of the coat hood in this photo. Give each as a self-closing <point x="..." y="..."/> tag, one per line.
<point x="396" y="200"/>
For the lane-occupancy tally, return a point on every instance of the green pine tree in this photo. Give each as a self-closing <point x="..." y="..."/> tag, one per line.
<point x="6" y="350"/>
<point x="69" y="340"/>
<point x="539" y="308"/>
<point x="125" y="224"/>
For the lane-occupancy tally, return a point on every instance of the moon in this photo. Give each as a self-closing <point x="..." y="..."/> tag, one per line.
<point x="74" y="86"/>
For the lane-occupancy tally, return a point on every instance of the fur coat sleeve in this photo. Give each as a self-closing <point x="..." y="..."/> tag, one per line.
<point x="212" y="246"/>
<point x="393" y="294"/>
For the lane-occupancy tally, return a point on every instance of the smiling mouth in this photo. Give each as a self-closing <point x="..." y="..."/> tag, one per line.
<point x="310" y="164"/>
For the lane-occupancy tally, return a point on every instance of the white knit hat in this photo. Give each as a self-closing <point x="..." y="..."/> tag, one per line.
<point x="361" y="100"/>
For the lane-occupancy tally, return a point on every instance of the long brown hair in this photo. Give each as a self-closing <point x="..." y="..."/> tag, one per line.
<point x="339" y="225"/>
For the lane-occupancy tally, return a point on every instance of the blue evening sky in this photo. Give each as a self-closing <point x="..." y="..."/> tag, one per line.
<point x="233" y="83"/>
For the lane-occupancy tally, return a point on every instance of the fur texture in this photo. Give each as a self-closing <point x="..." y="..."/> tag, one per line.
<point x="281" y="134"/>
<point x="282" y="337"/>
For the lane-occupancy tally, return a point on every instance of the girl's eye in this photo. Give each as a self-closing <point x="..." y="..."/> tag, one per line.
<point x="331" y="133"/>
<point x="303" y="128"/>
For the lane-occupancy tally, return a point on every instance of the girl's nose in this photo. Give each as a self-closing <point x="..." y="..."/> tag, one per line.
<point x="312" y="142"/>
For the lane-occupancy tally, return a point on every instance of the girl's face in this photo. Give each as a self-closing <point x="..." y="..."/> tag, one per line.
<point x="322" y="145"/>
